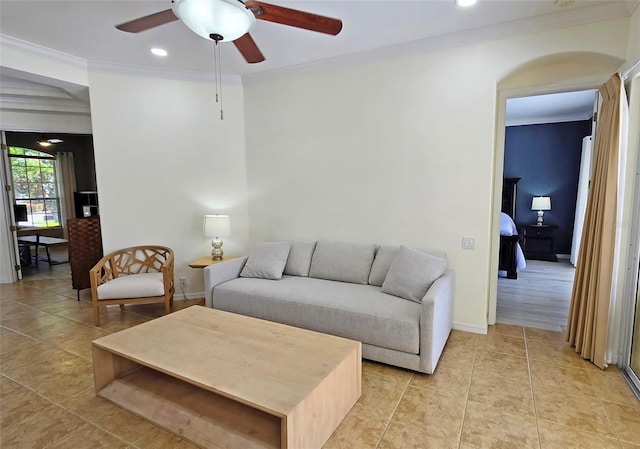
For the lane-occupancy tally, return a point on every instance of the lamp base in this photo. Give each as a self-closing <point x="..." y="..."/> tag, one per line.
<point x="216" y="252"/>
<point x="540" y="217"/>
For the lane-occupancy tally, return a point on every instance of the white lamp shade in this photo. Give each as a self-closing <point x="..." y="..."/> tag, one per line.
<point x="227" y="18"/>
<point x="541" y="203"/>
<point x="216" y="226"/>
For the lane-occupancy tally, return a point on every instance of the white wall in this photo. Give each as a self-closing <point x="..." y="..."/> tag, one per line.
<point x="633" y="50"/>
<point x="163" y="160"/>
<point x="399" y="151"/>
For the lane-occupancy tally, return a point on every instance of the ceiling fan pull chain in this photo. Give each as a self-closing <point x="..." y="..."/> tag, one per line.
<point x="217" y="69"/>
<point x="220" y="80"/>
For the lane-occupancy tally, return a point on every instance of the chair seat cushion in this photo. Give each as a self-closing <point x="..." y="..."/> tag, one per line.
<point x="140" y="285"/>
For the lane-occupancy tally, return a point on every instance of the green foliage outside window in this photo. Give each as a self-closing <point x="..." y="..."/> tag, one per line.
<point x="34" y="184"/>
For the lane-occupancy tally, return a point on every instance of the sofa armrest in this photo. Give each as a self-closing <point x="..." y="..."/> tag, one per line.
<point x="436" y="320"/>
<point x="221" y="272"/>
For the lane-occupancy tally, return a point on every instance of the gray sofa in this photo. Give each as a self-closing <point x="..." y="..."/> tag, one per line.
<point x="396" y="300"/>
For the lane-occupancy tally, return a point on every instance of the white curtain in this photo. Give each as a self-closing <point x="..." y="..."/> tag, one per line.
<point x="65" y="171"/>
<point x="581" y="201"/>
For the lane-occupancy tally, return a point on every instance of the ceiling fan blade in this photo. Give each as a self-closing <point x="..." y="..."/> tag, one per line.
<point x="148" y="22"/>
<point x="248" y="48"/>
<point x="294" y="18"/>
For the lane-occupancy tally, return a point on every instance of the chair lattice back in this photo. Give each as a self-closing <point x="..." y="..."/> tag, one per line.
<point x="134" y="260"/>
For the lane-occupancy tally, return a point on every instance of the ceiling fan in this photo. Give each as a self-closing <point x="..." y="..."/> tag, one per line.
<point x="231" y="20"/>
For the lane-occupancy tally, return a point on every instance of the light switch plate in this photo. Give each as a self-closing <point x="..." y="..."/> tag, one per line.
<point x="468" y="243"/>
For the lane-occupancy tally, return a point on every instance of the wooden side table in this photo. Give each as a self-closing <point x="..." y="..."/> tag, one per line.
<point x="207" y="260"/>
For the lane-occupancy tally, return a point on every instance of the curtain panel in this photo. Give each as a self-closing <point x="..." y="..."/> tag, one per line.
<point x="65" y="170"/>
<point x="591" y="298"/>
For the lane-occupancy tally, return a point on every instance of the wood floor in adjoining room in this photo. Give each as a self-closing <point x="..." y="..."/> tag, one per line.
<point x="539" y="298"/>
<point x="515" y="388"/>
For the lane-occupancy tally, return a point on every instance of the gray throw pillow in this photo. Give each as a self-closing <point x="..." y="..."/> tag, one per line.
<point x="339" y="261"/>
<point x="299" y="261"/>
<point x="411" y="274"/>
<point x="384" y="257"/>
<point x="266" y="260"/>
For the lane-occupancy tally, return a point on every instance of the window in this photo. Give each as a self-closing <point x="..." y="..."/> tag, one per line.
<point x="34" y="185"/>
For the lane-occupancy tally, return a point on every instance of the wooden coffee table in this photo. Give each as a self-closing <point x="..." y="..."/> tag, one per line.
<point x="220" y="379"/>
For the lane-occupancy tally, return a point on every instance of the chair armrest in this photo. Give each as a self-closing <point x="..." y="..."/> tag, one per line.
<point x="436" y="320"/>
<point x="219" y="273"/>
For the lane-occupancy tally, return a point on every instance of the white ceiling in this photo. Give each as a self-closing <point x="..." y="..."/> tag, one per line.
<point x="371" y="29"/>
<point x="551" y="108"/>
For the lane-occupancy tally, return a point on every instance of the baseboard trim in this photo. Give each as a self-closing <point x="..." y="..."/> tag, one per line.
<point x="468" y="327"/>
<point x="196" y="295"/>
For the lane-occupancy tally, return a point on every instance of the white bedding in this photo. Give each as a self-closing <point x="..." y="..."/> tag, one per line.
<point x="508" y="227"/>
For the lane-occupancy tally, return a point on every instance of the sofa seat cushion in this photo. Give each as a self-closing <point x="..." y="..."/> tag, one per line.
<point x="140" y="285"/>
<point x="355" y="311"/>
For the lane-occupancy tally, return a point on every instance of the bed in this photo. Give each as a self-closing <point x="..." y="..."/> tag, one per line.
<point x="511" y="257"/>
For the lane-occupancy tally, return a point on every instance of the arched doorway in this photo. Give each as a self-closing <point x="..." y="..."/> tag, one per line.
<point x="549" y="74"/>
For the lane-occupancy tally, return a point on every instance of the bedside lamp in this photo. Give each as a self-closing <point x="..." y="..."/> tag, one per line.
<point x="216" y="226"/>
<point x="540" y="203"/>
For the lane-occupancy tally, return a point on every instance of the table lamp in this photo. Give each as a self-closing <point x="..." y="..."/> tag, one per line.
<point x="540" y="203"/>
<point x="216" y="226"/>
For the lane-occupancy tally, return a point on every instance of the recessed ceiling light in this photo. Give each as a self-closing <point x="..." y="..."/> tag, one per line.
<point x="159" y="51"/>
<point x="465" y="3"/>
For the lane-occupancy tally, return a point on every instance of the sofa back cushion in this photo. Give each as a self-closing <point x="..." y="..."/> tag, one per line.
<point x="340" y="261"/>
<point x="266" y="260"/>
<point x="385" y="255"/>
<point x="411" y="274"/>
<point x="299" y="261"/>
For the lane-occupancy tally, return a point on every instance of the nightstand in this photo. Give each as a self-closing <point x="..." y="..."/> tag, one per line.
<point x="539" y="242"/>
<point x="207" y="260"/>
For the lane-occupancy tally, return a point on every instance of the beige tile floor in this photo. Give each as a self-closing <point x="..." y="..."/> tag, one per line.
<point x="513" y="388"/>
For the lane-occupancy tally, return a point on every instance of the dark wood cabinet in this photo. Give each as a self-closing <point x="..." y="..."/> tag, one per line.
<point x="86" y="204"/>
<point x="539" y="242"/>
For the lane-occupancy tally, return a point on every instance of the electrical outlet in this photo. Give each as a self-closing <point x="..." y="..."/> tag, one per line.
<point x="183" y="282"/>
<point x="468" y="243"/>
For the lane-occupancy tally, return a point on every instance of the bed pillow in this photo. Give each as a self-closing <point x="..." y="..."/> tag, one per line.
<point x="339" y="261"/>
<point x="299" y="260"/>
<point x="266" y="260"/>
<point x="411" y="274"/>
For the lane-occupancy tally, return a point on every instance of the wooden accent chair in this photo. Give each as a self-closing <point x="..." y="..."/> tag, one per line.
<point x="139" y="274"/>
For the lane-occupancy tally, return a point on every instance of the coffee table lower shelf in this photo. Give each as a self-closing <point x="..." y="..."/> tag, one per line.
<point x="203" y="417"/>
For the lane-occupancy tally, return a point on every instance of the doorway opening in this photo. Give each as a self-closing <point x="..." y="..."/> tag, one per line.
<point x="51" y="177"/>
<point x="546" y="169"/>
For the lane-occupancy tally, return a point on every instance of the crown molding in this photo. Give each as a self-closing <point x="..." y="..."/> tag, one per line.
<point x="40" y="51"/>
<point x="17" y="87"/>
<point x="43" y="105"/>
<point x="168" y="74"/>
<point x="601" y="11"/>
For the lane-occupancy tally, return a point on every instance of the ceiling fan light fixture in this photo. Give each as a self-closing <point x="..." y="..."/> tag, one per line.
<point x="44" y="142"/>
<point x="227" y="20"/>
